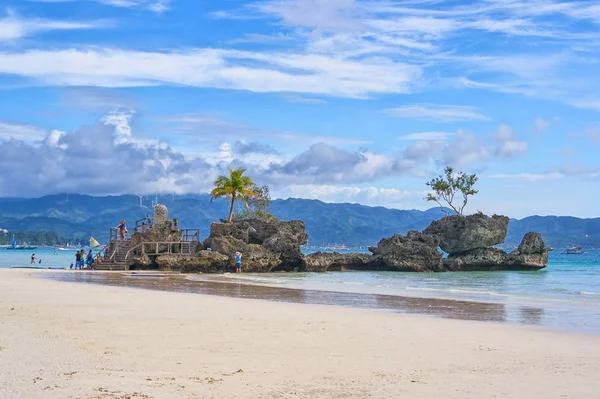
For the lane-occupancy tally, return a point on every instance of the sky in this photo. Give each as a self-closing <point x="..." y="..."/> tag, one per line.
<point x="357" y="101"/>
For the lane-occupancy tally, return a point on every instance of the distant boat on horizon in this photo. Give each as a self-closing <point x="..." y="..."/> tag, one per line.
<point x="574" y="251"/>
<point x="14" y="246"/>
<point x="336" y="247"/>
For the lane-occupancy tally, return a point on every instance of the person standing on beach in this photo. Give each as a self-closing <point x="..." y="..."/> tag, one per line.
<point x="77" y="260"/>
<point x="238" y="262"/>
<point x="32" y="259"/>
<point x="90" y="260"/>
<point x="122" y="229"/>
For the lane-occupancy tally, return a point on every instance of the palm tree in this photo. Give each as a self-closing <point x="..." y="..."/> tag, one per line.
<point x="235" y="186"/>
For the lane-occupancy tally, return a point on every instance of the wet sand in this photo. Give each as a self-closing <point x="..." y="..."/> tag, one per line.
<point x="99" y="341"/>
<point x="564" y="319"/>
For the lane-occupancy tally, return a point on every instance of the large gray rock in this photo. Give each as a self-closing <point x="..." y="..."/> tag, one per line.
<point x="161" y="214"/>
<point x="459" y="234"/>
<point x="413" y="252"/>
<point x="531" y="255"/>
<point x="327" y="262"/>
<point x="478" y="259"/>
<point x="532" y="244"/>
<point x="202" y="262"/>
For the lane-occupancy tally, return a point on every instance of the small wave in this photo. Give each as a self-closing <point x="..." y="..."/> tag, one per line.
<point x="558" y="290"/>
<point x="352" y="283"/>
<point x="589" y="293"/>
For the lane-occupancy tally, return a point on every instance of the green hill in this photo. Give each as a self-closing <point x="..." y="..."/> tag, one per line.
<point x="77" y="217"/>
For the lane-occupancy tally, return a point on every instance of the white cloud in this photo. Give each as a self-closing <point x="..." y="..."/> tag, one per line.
<point x="359" y="49"/>
<point x="21" y="132"/>
<point x="466" y="151"/>
<point x="426" y="136"/>
<point x="528" y="176"/>
<point x="540" y="125"/>
<point x="209" y="130"/>
<point x="119" y="161"/>
<point x="509" y="146"/>
<point x="268" y="72"/>
<point x="152" y="5"/>
<point x="437" y="112"/>
<point x="565" y="171"/>
<point x="13" y="27"/>
<point x="373" y="196"/>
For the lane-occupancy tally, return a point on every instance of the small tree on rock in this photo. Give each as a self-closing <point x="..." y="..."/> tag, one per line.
<point x="259" y="206"/>
<point x="447" y="186"/>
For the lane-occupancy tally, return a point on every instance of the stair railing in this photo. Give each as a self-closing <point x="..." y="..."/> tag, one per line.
<point x="133" y="249"/>
<point x="190" y="235"/>
<point x="147" y="221"/>
<point x="113" y="253"/>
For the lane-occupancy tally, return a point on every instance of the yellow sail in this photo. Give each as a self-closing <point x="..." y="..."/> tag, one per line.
<point x="94" y="243"/>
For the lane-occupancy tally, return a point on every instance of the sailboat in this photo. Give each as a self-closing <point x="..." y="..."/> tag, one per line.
<point x="14" y="245"/>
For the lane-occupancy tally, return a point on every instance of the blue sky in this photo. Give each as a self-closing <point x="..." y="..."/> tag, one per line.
<point x="340" y="100"/>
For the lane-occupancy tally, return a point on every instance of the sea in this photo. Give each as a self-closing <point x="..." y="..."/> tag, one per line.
<point x="565" y="294"/>
<point x="49" y="257"/>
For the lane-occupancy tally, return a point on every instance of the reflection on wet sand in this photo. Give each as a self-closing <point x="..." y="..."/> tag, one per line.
<point x="561" y="315"/>
<point x="464" y="310"/>
<point x="531" y="315"/>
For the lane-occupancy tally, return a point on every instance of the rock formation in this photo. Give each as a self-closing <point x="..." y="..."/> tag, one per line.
<point x="265" y="246"/>
<point x="275" y="246"/>
<point x="469" y="240"/>
<point x="458" y="234"/>
<point x="329" y="262"/>
<point x="202" y="262"/>
<point x="413" y="252"/>
<point x="161" y="230"/>
<point x="531" y="255"/>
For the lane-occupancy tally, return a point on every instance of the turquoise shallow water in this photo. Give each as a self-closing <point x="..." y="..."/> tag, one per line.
<point x="49" y="257"/>
<point x="572" y="278"/>
<point x="565" y="294"/>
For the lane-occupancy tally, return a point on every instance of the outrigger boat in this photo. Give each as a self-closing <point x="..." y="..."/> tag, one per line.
<point x="574" y="251"/>
<point x="14" y="245"/>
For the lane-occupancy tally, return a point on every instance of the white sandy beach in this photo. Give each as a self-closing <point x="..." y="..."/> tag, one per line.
<point x="69" y="340"/>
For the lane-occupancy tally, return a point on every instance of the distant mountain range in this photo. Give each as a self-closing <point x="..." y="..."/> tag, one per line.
<point x="78" y="217"/>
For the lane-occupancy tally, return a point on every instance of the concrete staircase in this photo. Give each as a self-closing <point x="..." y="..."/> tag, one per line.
<point x="118" y="261"/>
<point x="186" y="247"/>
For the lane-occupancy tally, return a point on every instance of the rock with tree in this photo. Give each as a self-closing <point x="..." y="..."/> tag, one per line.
<point x="265" y="245"/>
<point x="269" y="245"/>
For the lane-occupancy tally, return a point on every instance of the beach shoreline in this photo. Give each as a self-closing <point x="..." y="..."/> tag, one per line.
<point x="70" y="340"/>
<point x="556" y="315"/>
